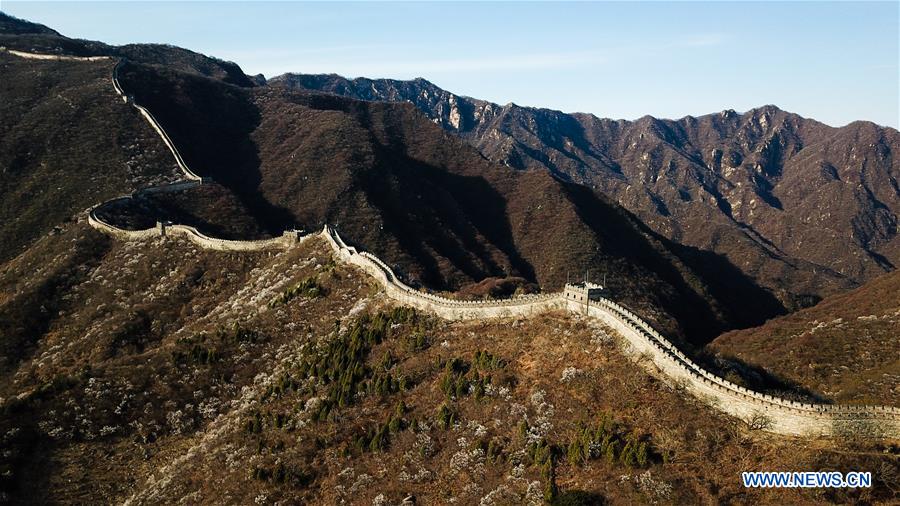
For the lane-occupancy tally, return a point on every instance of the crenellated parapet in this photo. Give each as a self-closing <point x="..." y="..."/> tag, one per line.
<point x="452" y="309"/>
<point x="778" y="415"/>
<point x="769" y="412"/>
<point x="763" y="410"/>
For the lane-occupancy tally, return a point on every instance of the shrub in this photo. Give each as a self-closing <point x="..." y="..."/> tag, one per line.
<point x="417" y="341"/>
<point x="403" y="314"/>
<point x="486" y="361"/>
<point x="258" y="421"/>
<point x="759" y="421"/>
<point x="396" y="422"/>
<point x="341" y="366"/>
<point x="523" y="429"/>
<point x="605" y="440"/>
<point x="458" y="377"/>
<point x="379" y="438"/>
<point x="238" y="334"/>
<point x="284" y="383"/>
<point x="494" y="450"/>
<point x="446" y="417"/>
<point x="281" y="474"/>
<point x="548" y="473"/>
<point x="197" y="355"/>
<point x="309" y="288"/>
<point x="540" y="452"/>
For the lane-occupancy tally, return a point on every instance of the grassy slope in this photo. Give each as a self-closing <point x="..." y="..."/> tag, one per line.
<point x="844" y="348"/>
<point x="132" y="378"/>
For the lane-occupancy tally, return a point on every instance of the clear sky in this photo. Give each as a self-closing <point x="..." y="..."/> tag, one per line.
<point x="833" y="61"/>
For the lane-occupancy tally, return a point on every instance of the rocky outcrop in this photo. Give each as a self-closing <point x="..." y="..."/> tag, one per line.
<point x="771" y="413"/>
<point x="802" y="208"/>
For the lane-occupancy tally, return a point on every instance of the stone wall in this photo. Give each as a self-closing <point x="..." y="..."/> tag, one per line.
<point x="188" y="173"/>
<point x="56" y="57"/>
<point x="288" y="238"/>
<point x="782" y="416"/>
<point x="120" y="233"/>
<point x="772" y="413"/>
<point x="444" y="307"/>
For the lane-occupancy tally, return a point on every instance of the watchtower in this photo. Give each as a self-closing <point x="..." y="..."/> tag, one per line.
<point x="583" y="293"/>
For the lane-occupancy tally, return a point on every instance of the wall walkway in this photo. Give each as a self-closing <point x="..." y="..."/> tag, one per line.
<point x="771" y="413"/>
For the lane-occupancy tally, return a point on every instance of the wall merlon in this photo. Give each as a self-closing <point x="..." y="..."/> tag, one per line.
<point x="787" y="416"/>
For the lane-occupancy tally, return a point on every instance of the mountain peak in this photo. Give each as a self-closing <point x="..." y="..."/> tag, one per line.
<point x="11" y="25"/>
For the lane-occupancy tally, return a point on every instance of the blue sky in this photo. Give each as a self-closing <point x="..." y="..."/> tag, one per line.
<point x="833" y="61"/>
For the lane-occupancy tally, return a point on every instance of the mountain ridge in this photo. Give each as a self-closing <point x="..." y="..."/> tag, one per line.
<point x="321" y="80"/>
<point x="154" y="371"/>
<point x="739" y="184"/>
<point x="373" y="189"/>
<point x="794" y="281"/>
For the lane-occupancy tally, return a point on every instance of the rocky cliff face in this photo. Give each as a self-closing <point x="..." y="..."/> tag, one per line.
<point x="391" y="181"/>
<point x="803" y="208"/>
<point x="458" y="114"/>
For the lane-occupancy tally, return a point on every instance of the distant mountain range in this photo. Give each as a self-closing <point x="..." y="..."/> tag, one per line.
<point x="154" y="371"/>
<point x="802" y="208"/>
<point x="707" y="223"/>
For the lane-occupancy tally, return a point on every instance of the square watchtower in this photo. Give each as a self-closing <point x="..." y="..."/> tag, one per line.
<point x="583" y="293"/>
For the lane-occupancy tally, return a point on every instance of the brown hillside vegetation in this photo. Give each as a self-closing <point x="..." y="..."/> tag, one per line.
<point x="800" y="207"/>
<point x="211" y="208"/>
<point x="845" y="348"/>
<point x="67" y="142"/>
<point x="163" y="371"/>
<point x="426" y="202"/>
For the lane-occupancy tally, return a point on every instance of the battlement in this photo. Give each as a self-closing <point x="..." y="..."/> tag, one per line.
<point x="583" y="292"/>
<point x="785" y="416"/>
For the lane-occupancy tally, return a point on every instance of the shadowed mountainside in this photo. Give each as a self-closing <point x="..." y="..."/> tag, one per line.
<point x="802" y="208"/>
<point x="67" y="142"/>
<point x="392" y="181"/>
<point x="434" y="207"/>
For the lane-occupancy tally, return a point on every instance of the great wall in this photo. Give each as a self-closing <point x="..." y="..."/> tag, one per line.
<point x="645" y="344"/>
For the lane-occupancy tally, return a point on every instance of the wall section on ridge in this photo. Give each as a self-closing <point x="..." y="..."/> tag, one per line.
<point x="782" y="416"/>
